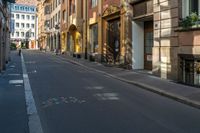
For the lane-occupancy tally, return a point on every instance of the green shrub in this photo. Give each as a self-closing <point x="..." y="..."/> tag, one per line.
<point x="13" y="46"/>
<point x="189" y="21"/>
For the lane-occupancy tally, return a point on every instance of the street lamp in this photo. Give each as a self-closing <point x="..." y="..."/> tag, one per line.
<point x="58" y="37"/>
<point x="86" y="18"/>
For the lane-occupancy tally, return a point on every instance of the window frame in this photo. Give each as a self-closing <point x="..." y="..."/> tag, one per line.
<point x="94" y="3"/>
<point x="186" y="8"/>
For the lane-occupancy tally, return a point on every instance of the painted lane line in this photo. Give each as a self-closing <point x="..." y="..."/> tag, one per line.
<point x="16" y="82"/>
<point x="34" y="122"/>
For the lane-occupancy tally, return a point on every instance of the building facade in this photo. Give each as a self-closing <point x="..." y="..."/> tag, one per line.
<point x="64" y="25"/>
<point x="49" y="17"/>
<point x="4" y="32"/>
<point x="163" y="42"/>
<point x="149" y="35"/>
<point x="23" y="17"/>
<point x="44" y="17"/>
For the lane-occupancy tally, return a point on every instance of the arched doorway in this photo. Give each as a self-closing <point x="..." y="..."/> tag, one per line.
<point x="58" y="42"/>
<point x="63" y="42"/>
<point x="54" y="42"/>
<point x="51" y="43"/>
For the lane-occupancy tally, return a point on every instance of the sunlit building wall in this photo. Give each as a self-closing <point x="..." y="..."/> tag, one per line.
<point x="23" y="18"/>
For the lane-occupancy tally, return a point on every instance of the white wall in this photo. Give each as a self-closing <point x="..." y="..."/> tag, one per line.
<point x="138" y="45"/>
<point x="25" y="29"/>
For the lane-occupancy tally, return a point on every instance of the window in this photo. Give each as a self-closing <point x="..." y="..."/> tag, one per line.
<point x="27" y="25"/>
<point x="22" y="25"/>
<point x="32" y="26"/>
<point x="94" y="38"/>
<point x="72" y="9"/>
<point x="12" y="15"/>
<point x="26" y="8"/>
<point x="190" y="6"/>
<point x="190" y="69"/>
<point x="22" y="8"/>
<point x="27" y="17"/>
<point x="17" y="25"/>
<point x="94" y="3"/>
<point x="59" y="16"/>
<point x="16" y="7"/>
<point x="23" y="17"/>
<point x="64" y="16"/>
<point x="22" y="34"/>
<point x="27" y="34"/>
<point x="47" y="9"/>
<point x="56" y="18"/>
<point x="33" y="17"/>
<point x="17" y="34"/>
<point x="32" y="34"/>
<point x="17" y="16"/>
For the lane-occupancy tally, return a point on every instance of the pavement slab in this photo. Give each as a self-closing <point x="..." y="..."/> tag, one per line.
<point x="13" y="114"/>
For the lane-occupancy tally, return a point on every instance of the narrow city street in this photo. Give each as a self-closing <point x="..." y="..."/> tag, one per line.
<point x="72" y="99"/>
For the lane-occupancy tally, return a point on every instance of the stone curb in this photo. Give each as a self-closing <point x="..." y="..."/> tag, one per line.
<point x="145" y="86"/>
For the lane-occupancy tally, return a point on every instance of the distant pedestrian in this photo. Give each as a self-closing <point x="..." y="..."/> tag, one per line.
<point x="20" y="51"/>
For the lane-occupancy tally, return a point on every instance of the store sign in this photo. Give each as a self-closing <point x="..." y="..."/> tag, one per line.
<point x="149" y="57"/>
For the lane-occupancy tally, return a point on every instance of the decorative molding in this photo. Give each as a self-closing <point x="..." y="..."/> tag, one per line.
<point x="111" y="10"/>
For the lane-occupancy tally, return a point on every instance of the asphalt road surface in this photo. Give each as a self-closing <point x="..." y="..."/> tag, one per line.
<point x="71" y="99"/>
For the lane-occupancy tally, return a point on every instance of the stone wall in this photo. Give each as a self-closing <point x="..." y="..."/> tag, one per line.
<point x="165" y="50"/>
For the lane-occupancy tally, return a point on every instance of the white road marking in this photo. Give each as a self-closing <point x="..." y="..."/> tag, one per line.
<point x="16" y="82"/>
<point x="34" y="119"/>
<point x="13" y="66"/>
<point x="14" y="74"/>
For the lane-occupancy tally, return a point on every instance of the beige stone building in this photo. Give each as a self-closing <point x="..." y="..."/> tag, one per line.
<point x="147" y="35"/>
<point x="44" y="16"/>
<point x="160" y="42"/>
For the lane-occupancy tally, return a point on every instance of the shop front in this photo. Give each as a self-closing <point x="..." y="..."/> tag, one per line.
<point x="189" y="67"/>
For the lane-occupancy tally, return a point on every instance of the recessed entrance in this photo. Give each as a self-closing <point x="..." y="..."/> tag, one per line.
<point x="142" y="36"/>
<point x="113" y="41"/>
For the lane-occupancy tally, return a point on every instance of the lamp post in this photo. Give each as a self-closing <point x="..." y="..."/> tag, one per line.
<point x="86" y="19"/>
<point x="58" y="38"/>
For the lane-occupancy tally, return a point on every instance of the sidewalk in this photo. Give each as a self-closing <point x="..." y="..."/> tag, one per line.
<point x="182" y="93"/>
<point x="12" y="101"/>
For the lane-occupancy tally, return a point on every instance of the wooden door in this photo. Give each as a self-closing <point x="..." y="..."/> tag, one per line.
<point x="148" y="44"/>
<point x="113" y="39"/>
